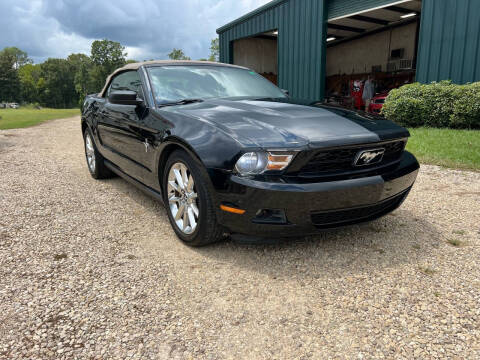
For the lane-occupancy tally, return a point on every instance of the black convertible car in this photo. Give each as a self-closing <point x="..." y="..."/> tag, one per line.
<point x="228" y="152"/>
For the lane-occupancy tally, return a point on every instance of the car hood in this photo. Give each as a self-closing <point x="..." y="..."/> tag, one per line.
<point x="287" y="123"/>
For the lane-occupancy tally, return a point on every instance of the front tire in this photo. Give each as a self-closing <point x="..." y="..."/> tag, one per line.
<point x="95" y="163"/>
<point x="188" y="201"/>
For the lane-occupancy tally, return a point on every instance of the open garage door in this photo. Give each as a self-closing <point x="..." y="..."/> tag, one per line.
<point x="370" y="53"/>
<point x="259" y="53"/>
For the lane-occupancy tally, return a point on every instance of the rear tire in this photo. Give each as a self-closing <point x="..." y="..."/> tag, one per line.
<point x="188" y="201"/>
<point x="95" y="160"/>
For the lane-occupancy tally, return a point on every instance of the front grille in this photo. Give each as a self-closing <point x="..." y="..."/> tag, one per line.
<point x="341" y="159"/>
<point x="354" y="215"/>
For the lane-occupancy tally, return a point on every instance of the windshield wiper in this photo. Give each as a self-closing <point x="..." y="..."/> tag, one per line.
<point x="180" y="102"/>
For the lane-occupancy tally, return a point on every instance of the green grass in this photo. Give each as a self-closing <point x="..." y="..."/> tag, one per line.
<point x="458" y="149"/>
<point x="455" y="242"/>
<point x="24" y="117"/>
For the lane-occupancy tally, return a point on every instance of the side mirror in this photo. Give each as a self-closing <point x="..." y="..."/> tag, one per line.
<point x="124" y="97"/>
<point x="285" y="92"/>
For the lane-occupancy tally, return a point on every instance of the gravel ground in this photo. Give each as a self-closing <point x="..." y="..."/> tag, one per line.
<point x="92" y="269"/>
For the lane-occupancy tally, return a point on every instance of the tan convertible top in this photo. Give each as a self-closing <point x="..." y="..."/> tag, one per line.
<point x="137" y="65"/>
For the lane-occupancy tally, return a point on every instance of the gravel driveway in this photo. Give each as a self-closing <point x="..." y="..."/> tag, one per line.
<point x="92" y="269"/>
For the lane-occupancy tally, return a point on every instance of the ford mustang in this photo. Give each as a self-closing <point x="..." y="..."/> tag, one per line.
<point x="229" y="153"/>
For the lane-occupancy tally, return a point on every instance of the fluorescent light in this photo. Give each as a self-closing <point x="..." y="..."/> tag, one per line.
<point x="331" y="39"/>
<point x="275" y="32"/>
<point x="408" y="15"/>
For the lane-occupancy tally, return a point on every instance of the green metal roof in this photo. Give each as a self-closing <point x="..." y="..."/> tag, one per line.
<point x="334" y="8"/>
<point x="249" y="15"/>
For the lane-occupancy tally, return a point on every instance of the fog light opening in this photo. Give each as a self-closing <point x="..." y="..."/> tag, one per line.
<point x="270" y="216"/>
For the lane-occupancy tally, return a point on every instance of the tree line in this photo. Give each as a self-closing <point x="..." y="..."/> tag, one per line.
<point x="64" y="83"/>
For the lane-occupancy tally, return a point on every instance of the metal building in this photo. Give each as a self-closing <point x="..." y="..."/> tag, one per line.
<point x="314" y="48"/>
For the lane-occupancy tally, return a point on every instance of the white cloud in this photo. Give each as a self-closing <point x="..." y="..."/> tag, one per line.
<point x="149" y="29"/>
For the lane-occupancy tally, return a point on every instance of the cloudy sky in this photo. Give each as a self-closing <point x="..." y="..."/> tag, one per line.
<point x="148" y="28"/>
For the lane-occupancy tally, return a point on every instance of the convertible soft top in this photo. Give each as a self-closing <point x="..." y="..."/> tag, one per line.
<point x="137" y="65"/>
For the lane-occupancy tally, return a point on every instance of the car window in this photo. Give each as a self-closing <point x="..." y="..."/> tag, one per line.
<point x="172" y="83"/>
<point x="129" y="80"/>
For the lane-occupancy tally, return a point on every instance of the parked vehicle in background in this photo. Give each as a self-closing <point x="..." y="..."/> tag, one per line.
<point x="377" y="103"/>
<point x="228" y="152"/>
<point x="13" y="105"/>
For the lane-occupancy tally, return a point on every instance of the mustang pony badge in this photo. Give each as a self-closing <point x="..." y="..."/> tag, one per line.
<point x="369" y="157"/>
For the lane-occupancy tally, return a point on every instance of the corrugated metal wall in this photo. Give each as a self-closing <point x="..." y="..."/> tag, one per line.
<point x="449" y="45"/>
<point x="301" y="43"/>
<point x="337" y="8"/>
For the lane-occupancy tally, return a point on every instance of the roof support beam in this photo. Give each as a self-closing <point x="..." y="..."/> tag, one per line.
<point x="400" y="10"/>
<point x="392" y="25"/>
<point x="345" y="28"/>
<point x="369" y="19"/>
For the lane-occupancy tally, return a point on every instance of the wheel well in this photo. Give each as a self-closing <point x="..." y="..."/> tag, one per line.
<point x="180" y="145"/>
<point x="169" y="149"/>
<point x="84" y="127"/>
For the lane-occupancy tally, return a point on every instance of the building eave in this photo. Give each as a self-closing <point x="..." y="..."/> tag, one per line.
<point x="250" y="15"/>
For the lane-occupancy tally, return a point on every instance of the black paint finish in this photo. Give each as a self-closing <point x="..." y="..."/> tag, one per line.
<point x="136" y="141"/>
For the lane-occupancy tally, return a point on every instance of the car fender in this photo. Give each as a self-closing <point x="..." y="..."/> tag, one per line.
<point x="172" y="143"/>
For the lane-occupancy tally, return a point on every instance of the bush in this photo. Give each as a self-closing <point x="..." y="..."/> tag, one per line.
<point x="466" y="110"/>
<point x="440" y="104"/>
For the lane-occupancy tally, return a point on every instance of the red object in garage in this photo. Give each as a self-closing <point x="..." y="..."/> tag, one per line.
<point x="377" y="103"/>
<point x="356" y="91"/>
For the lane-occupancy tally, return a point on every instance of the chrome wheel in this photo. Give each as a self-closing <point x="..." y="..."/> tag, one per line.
<point x="90" y="153"/>
<point x="182" y="198"/>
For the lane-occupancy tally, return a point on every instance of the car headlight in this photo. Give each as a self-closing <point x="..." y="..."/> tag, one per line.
<point x="257" y="162"/>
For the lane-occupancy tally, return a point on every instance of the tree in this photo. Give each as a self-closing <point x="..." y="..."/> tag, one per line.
<point x="106" y="56"/>
<point x="59" y="88"/>
<point x="9" y="81"/>
<point x="214" y="50"/>
<point x="58" y="82"/>
<point x="81" y="66"/>
<point x="18" y="56"/>
<point x="29" y="76"/>
<point x="177" y="54"/>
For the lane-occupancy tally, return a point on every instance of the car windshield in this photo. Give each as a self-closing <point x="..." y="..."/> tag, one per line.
<point x="173" y="84"/>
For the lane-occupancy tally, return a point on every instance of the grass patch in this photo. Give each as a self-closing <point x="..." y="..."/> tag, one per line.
<point x="455" y="242"/>
<point x="459" y="232"/>
<point x="446" y="147"/>
<point x="24" y="117"/>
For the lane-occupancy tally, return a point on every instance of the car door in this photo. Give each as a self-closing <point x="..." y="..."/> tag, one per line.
<point x="122" y="130"/>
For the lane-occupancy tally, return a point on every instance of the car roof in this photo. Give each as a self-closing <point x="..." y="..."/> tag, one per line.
<point x="152" y="63"/>
<point x="137" y="65"/>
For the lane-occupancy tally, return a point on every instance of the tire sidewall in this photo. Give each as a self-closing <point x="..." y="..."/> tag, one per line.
<point x="85" y="134"/>
<point x="200" y="233"/>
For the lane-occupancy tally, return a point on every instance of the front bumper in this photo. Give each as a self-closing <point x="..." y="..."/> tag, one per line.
<point x="310" y="207"/>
